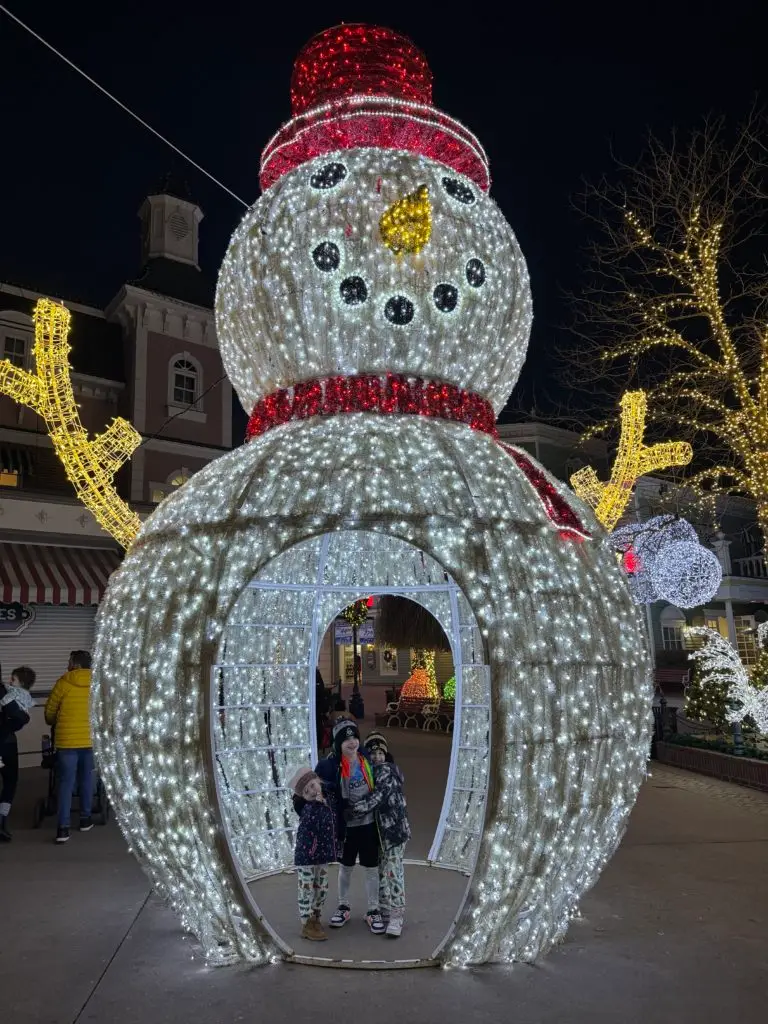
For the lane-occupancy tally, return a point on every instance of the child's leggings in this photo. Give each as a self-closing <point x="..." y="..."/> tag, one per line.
<point x="392" y="879"/>
<point x="313" y="888"/>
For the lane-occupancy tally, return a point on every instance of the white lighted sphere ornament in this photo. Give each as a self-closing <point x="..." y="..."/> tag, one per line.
<point x="686" y="574"/>
<point x="664" y="560"/>
<point x="373" y="312"/>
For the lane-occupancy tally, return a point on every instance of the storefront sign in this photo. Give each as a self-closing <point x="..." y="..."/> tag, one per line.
<point x="343" y="632"/>
<point x="15" y="617"/>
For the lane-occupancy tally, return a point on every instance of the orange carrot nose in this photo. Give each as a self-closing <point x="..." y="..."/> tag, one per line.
<point x="406" y="226"/>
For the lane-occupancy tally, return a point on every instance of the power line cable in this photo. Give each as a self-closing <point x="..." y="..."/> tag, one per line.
<point x="122" y="106"/>
<point x="153" y="437"/>
<point x="175" y="148"/>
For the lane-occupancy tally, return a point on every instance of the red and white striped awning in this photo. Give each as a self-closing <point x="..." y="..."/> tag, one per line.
<point x="44" y="574"/>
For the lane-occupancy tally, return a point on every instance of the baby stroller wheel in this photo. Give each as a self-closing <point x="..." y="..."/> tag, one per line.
<point x="39" y="812"/>
<point x="101" y="810"/>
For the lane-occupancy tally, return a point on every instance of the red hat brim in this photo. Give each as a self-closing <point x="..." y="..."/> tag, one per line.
<point x="358" y="122"/>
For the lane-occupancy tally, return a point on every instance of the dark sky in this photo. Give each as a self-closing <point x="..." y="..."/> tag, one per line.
<point x="549" y="95"/>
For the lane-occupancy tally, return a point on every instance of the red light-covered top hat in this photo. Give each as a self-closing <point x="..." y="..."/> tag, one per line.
<point x="359" y="86"/>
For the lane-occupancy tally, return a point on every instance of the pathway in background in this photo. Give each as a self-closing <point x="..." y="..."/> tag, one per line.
<point x="674" y="933"/>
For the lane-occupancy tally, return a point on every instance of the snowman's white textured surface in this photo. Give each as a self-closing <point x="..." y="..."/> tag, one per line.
<point x="569" y="667"/>
<point x="282" y="319"/>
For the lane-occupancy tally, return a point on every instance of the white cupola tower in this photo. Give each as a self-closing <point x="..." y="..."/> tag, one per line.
<point x="170" y="220"/>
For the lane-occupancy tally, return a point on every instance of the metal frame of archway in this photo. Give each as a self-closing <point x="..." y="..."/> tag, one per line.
<point x="322" y="614"/>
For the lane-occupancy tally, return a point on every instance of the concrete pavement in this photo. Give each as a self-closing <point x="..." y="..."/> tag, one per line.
<point x="674" y="932"/>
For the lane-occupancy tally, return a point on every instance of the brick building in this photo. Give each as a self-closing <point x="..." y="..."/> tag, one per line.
<point x="151" y="356"/>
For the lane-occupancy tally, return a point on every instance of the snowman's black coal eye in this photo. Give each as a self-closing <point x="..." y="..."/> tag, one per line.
<point x="399" y="310"/>
<point x="353" y="291"/>
<point x="475" y="272"/>
<point x="459" y="191"/>
<point x="328" y="176"/>
<point x="326" y="256"/>
<point x="446" y="296"/>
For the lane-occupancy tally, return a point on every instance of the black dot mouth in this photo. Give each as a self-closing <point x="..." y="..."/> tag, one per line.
<point x="446" y="297"/>
<point x="475" y="271"/>
<point x="399" y="310"/>
<point x="353" y="291"/>
<point x="326" y="257"/>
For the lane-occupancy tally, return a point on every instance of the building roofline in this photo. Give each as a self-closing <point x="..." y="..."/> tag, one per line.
<point x="28" y="293"/>
<point x="134" y="291"/>
<point x="532" y="430"/>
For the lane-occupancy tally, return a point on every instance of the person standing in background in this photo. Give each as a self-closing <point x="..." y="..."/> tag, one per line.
<point x="322" y="707"/>
<point x="68" y="711"/>
<point x="15" y="704"/>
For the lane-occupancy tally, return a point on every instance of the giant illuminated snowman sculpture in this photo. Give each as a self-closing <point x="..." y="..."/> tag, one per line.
<point x="373" y="313"/>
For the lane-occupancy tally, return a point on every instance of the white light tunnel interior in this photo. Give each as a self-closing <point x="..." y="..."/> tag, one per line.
<point x="263" y="689"/>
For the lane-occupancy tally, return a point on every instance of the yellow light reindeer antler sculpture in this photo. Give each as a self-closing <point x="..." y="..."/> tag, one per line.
<point x="90" y="464"/>
<point x="633" y="460"/>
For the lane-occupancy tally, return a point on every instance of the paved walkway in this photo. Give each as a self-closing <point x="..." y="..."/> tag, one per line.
<point x="675" y="931"/>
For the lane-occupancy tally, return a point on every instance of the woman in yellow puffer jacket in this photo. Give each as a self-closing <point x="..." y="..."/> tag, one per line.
<point x="68" y="710"/>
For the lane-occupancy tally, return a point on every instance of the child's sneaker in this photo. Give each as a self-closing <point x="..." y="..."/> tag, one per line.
<point x="341" y="916"/>
<point x="86" y="824"/>
<point x="62" y="835"/>
<point x="375" y="923"/>
<point x="395" y="925"/>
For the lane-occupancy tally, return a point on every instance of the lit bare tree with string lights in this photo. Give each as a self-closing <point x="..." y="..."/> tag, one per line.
<point x="677" y="301"/>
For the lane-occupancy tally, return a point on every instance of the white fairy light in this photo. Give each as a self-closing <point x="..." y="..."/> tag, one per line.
<point x="720" y="662"/>
<point x="656" y="533"/>
<point x="281" y="320"/>
<point x="667" y="562"/>
<point x="207" y="639"/>
<point x="171" y="612"/>
<point x="686" y="574"/>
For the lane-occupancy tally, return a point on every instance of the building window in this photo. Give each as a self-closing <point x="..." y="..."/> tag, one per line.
<point x="177" y="479"/>
<point x="746" y="639"/>
<point x="180" y="478"/>
<point x="15" y="349"/>
<point x="672" y="637"/>
<point x="185" y="382"/>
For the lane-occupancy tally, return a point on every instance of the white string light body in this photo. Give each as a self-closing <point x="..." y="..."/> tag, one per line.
<point x="667" y="562"/>
<point x="720" y="663"/>
<point x="686" y="574"/>
<point x="281" y="318"/>
<point x="569" y="686"/>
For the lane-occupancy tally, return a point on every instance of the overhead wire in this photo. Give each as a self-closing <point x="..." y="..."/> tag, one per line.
<point x="153" y="437"/>
<point x="175" y="148"/>
<point x="122" y="105"/>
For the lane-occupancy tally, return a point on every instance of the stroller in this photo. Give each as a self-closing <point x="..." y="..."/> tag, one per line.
<point x="46" y="806"/>
<point x="324" y="735"/>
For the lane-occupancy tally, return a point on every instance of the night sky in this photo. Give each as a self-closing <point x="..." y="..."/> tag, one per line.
<point x="550" y="96"/>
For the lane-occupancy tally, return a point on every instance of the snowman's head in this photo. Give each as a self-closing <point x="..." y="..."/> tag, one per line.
<point x="374" y="259"/>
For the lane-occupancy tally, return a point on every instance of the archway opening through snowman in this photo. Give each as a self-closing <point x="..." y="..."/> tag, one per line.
<point x="263" y="729"/>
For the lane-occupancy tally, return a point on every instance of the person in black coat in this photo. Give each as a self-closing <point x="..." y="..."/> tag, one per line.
<point x="322" y="707"/>
<point x="15" y="703"/>
<point x="387" y="801"/>
<point x="347" y="774"/>
<point x="317" y="846"/>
